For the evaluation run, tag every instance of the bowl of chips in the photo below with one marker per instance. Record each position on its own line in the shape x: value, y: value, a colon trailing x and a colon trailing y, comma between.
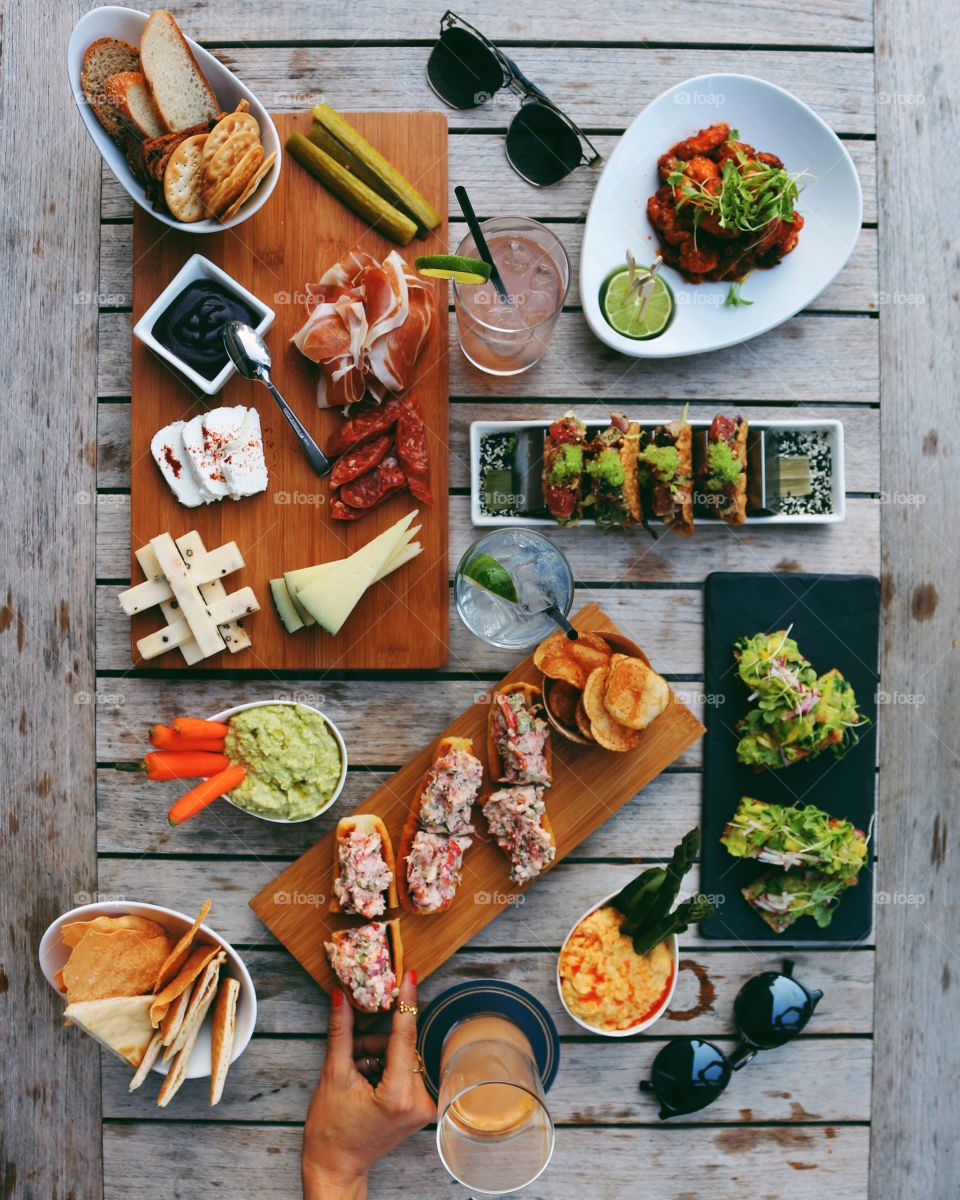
x: 160, y: 989
x: 599, y: 689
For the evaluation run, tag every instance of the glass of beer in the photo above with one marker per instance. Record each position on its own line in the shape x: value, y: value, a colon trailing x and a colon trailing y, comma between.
x: 509, y: 338
x: 494, y: 1132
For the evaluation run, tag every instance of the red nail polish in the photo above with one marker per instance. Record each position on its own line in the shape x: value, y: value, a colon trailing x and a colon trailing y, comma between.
x: 336, y: 997
x: 412, y: 976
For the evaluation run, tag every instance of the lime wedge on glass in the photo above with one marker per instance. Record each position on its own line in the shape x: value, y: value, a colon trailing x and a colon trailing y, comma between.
x: 453, y: 266
x: 625, y: 311
x: 486, y: 572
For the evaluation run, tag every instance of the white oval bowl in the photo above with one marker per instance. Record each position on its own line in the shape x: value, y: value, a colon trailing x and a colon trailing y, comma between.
x: 640, y: 1025
x: 338, y: 737
x: 770, y: 119
x: 53, y: 954
x: 127, y: 24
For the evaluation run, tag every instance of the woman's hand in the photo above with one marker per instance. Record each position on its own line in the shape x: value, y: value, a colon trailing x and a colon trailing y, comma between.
x: 370, y: 1097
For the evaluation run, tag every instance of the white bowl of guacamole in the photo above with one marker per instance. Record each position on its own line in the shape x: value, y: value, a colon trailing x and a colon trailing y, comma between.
x: 295, y: 758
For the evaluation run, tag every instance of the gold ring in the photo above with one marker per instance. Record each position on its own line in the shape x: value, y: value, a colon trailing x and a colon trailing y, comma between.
x: 404, y: 1007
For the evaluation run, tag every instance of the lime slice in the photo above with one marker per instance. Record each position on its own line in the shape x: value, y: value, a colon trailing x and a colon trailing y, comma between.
x: 453, y: 266
x: 491, y: 575
x: 625, y: 311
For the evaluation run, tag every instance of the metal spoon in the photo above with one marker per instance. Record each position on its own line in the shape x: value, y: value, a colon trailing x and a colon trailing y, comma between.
x: 249, y: 354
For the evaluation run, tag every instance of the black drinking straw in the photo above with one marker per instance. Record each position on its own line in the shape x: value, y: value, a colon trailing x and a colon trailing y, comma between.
x: 481, y: 243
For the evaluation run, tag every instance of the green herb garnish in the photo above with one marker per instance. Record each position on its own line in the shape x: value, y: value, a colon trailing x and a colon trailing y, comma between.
x: 750, y: 196
x: 733, y: 298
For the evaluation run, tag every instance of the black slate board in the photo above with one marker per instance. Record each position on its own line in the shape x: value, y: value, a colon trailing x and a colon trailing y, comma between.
x: 835, y: 621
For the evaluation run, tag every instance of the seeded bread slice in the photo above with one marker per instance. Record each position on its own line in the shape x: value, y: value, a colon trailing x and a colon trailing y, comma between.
x: 103, y: 58
x: 129, y: 96
x: 181, y: 93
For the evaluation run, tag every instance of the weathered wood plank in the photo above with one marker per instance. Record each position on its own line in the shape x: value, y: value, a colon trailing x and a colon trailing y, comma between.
x: 542, y: 921
x: 854, y: 289
x: 805, y: 1163
x: 49, y: 225
x: 841, y: 23
x: 810, y: 1080
x: 914, y: 1143
x: 496, y: 190
x: 861, y: 434
x: 621, y: 558
x: 290, y: 1002
x: 382, y: 721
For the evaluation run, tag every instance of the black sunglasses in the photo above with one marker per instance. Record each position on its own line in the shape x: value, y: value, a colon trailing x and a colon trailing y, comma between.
x: 770, y: 1009
x: 465, y: 69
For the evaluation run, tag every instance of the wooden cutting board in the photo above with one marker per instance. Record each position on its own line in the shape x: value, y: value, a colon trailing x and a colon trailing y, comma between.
x: 590, y: 785
x: 401, y: 622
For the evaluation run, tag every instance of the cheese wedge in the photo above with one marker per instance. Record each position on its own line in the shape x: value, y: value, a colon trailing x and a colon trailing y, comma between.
x: 289, y: 617
x: 296, y: 581
x: 332, y: 598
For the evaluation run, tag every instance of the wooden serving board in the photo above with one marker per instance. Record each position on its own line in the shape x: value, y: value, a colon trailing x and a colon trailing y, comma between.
x: 402, y: 622
x: 590, y: 785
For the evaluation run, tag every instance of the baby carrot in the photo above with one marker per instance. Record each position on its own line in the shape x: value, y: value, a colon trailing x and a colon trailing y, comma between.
x: 165, y: 739
x: 205, y: 793
x: 183, y: 764
x: 195, y: 727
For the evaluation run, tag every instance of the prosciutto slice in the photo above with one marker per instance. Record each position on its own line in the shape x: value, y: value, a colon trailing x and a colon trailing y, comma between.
x: 366, y: 325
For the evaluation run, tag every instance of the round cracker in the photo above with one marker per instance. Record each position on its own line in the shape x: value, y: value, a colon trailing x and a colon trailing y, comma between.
x: 222, y: 195
x: 219, y: 165
x: 182, y: 179
x: 607, y: 731
x: 232, y: 123
x: 634, y: 695
x: 251, y: 187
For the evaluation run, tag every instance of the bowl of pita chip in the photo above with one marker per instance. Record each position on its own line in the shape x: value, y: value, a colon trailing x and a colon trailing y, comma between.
x: 159, y: 989
x: 185, y: 138
x: 599, y: 689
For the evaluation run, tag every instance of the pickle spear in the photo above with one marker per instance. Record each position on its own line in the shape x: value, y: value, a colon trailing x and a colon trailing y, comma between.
x: 369, y: 165
x: 352, y: 191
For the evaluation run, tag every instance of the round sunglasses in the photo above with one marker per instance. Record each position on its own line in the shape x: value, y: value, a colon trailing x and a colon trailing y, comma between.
x: 465, y: 69
x: 688, y: 1074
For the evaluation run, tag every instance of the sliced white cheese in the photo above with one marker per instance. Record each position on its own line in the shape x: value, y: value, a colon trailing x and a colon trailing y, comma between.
x: 186, y: 593
x: 237, y: 432
x: 333, y: 597
x: 238, y: 604
x: 204, y: 461
x: 171, y: 457
x: 289, y: 617
x: 171, y: 610
x: 411, y: 550
x: 219, y: 561
x: 156, y: 588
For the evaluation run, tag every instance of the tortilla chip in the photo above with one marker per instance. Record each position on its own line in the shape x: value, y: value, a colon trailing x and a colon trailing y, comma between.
x: 178, y: 955
x: 121, y: 1023
x: 121, y: 963
x: 173, y: 1018
x: 72, y: 933
x: 146, y: 1063
x: 221, y: 1036
x: 178, y: 1068
x: 188, y: 973
x: 200, y: 1001
x: 607, y: 731
x: 58, y: 980
x: 635, y: 694
x: 572, y: 661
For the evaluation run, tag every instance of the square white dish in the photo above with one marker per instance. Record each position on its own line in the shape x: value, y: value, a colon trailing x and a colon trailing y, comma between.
x: 768, y: 118
x: 127, y: 25
x: 833, y: 430
x: 197, y: 267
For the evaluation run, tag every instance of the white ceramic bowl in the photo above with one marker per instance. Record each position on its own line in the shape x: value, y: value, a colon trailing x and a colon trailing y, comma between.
x: 640, y: 1025
x: 769, y: 119
x: 197, y: 267
x: 127, y: 24
x: 228, y: 712
x: 53, y: 954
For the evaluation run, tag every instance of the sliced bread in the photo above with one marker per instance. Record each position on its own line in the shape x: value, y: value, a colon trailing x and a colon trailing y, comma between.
x: 181, y: 93
x: 129, y: 96
x: 103, y: 58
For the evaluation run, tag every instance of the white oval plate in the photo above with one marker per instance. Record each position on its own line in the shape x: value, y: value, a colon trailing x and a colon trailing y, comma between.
x: 769, y: 119
x: 127, y: 24
x: 53, y: 954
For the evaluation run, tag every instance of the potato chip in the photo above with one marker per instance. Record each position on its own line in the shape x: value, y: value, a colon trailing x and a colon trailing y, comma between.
x: 608, y: 732
x: 635, y: 694
x: 178, y: 955
x: 119, y: 963
x: 563, y: 699
x: 72, y: 933
x: 572, y: 661
x: 583, y: 721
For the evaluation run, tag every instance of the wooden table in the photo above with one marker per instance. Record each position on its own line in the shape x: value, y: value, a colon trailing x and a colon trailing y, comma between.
x: 79, y: 822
